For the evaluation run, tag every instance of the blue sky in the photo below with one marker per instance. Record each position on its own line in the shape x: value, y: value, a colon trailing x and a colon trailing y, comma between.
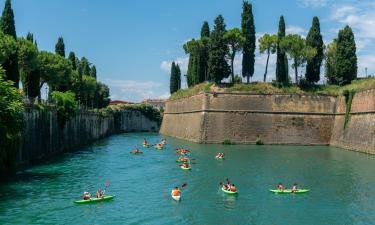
x: 132, y: 43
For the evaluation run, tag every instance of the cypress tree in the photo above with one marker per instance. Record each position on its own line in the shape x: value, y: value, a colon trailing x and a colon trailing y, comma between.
x: 8, y: 27
x: 7, y: 23
x: 60, y: 47
x: 85, y: 65
x: 218, y: 67
x: 205, y: 38
x: 30, y: 37
x: 248, y: 30
x: 346, y: 58
x: 314, y: 40
x: 173, y: 80
x: 72, y: 59
x: 178, y: 77
x: 93, y: 71
x: 205, y: 31
x: 282, y: 61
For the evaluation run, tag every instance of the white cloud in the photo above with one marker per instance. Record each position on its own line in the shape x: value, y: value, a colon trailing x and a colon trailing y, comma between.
x: 135, y: 91
x: 295, y: 30
x: 313, y: 3
x: 181, y: 61
x: 366, y: 61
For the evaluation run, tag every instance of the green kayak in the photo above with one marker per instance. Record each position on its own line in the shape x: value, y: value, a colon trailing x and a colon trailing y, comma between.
x: 289, y: 191
x: 92, y: 200
x: 189, y: 168
x: 229, y: 192
x: 220, y: 158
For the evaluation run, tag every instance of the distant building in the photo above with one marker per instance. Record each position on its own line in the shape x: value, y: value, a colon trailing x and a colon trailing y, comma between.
x: 156, y: 103
x: 119, y: 102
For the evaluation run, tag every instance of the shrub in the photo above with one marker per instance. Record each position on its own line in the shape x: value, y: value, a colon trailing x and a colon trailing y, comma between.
x: 228, y: 142
x: 66, y: 106
x: 258, y: 141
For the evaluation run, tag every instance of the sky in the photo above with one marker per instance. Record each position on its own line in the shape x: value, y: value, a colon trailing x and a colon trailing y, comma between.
x: 132, y: 43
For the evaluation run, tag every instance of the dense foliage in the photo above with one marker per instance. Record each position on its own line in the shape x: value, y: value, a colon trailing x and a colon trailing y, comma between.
x: 235, y: 41
x: 60, y: 47
x: 66, y: 106
x: 248, y: 30
x: 11, y: 124
x: 314, y: 40
x: 175, y: 80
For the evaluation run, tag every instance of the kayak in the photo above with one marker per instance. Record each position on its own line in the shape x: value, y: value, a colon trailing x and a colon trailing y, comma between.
x: 177, y: 198
x: 92, y: 200
x: 146, y: 146
x: 189, y: 168
x: 289, y: 191
x: 158, y: 148
x: 220, y: 158
x: 229, y: 192
x: 136, y: 153
x: 181, y: 161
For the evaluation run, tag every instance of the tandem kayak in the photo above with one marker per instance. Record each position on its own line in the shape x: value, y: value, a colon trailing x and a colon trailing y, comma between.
x: 220, y: 158
x: 289, y: 191
x: 229, y: 192
x: 92, y: 200
x: 176, y: 198
x: 184, y: 168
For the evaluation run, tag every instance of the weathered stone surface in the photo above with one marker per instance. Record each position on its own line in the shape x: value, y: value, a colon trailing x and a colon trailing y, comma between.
x: 276, y: 119
x: 42, y: 136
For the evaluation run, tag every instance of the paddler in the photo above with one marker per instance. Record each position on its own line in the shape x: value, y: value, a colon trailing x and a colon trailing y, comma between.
x: 233, y: 188
x: 99, y: 193
x: 86, y: 195
x: 185, y: 165
x: 280, y: 186
x: 145, y: 142
x: 176, y: 191
x: 294, y: 187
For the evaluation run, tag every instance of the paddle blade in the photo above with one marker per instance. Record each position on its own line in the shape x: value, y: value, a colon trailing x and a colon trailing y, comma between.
x: 183, y: 185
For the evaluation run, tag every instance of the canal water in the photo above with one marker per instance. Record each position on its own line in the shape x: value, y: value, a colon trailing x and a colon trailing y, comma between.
x: 342, y: 186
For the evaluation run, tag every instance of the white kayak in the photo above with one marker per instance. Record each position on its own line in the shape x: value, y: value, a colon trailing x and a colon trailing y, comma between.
x: 177, y: 198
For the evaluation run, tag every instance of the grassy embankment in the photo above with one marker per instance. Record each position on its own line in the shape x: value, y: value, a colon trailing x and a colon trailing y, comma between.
x: 268, y: 88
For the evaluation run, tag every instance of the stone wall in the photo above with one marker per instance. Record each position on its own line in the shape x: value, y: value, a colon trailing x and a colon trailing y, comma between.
x: 43, y: 137
x: 276, y: 119
x: 359, y: 133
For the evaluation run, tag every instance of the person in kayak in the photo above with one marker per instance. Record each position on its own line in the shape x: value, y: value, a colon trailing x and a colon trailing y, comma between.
x: 145, y: 142
x: 280, y: 186
x: 233, y: 188
x: 176, y: 191
x: 99, y: 193
x: 294, y: 187
x: 185, y: 165
x: 86, y: 195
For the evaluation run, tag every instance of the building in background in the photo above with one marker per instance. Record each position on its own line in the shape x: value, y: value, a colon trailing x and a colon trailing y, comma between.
x: 119, y: 102
x: 156, y: 103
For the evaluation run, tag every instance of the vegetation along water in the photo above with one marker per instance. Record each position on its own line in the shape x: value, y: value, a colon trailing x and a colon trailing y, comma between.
x: 341, y: 184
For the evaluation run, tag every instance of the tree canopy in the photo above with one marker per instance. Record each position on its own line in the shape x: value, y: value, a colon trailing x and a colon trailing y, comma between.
x: 248, y: 30
x: 314, y: 40
x: 268, y: 45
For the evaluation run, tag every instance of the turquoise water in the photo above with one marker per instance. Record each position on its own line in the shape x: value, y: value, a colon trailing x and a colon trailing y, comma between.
x: 342, y: 186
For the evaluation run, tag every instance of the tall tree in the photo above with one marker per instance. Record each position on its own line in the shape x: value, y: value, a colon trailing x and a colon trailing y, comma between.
x: 60, y: 47
x: 30, y: 37
x: 7, y: 23
x: 218, y: 68
x: 346, y: 57
x: 330, y: 63
x: 178, y: 77
x: 93, y: 71
x: 314, y: 40
x: 173, y: 80
x: 29, y: 67
x: 248, y: 30
x: 295, y: 46
x: 282, y: 75
x: 205, y: 38
x: 85, y: 64
x: 8, y: 27
x: 235, y: 40
x: 205, y: 30
x: 196, y: 70
x: 72, y: 58
x: 268, y: 45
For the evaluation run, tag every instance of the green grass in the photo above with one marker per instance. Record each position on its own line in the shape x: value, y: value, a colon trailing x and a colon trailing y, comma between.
x: 184, y: 93
x: 264, y: 88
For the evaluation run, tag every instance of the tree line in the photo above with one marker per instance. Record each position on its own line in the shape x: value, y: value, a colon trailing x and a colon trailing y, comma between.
x: 211, y: 58
x: 23, y: 61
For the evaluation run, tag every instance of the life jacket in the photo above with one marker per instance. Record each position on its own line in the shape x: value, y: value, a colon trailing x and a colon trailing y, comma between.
x: 233, y: 189
x: 176, y: 192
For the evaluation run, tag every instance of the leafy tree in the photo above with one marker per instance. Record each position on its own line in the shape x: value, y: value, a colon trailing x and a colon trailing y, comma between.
x: 72, y: 58
x: 248, y: 29
x: 29, y: 67
x: 88, y: 89
x: 314, y: 40
x: 205, y: 31
x: 218, y: 68
x: 9, y: 58
x: 66, y: 106
x: 173, y: 81
x: 11, y: 124
x: 205, y: 38
x: 267, y: 44
x: 196, y: 70
x: 30, y: 37
x: 330, y: 64
x: 85, y: 65
x: 346, y: 57
x: 60, y: 47
x: 7, y: 23
x: 93, y: 71
x: 55, y: 71
x: 101, y: 96
x: 295, y: 46
x: 282, y: 61
x: 235, y: 42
